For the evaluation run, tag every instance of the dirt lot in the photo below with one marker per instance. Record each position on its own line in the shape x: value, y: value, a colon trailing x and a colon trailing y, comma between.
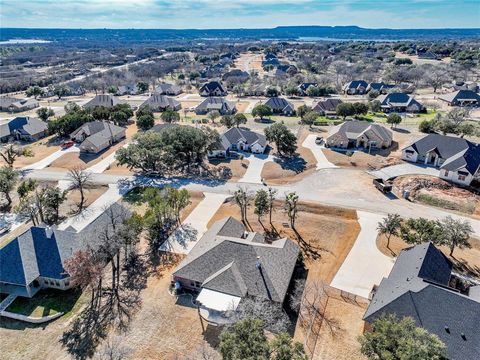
x: 436, y: 192
x: 276, y: 173
x: 237, y: 166
x: 465, y: 260
x: 40, y: 149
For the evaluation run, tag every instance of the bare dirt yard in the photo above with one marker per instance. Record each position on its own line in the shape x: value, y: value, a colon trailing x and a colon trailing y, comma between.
x: 466, y: 261
x: 291, y: 170
x: 238, y: 167
x: 40, y: 150
x: 436, y: 192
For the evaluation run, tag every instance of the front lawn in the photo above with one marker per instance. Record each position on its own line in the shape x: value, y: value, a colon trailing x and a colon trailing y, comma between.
x: 46, y: 302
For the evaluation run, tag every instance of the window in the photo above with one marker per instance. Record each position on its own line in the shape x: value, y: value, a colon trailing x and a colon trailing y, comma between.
x: 192, y: 283
x: 67, y: 283
x: 446, y: 172
x: 197, y: 284
x: 461, y: 177
x: 57, y: 283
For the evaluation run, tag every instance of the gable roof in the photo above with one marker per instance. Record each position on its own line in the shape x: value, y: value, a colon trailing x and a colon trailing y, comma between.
x: 397, y: 99
x: 24, y: 125
x: 460, y: 95
x: 445, y: 146
x: 215, y: 103
x: 379, y: 86
x: 156, y: 101
x: 98, y: 132
x: 224, y: 260
x: 355, y: 84
x: 212, y: 86
x: 105, y: 100
x: 278, y: 104
x: 168, y: 89
x: 41, y: 251
x: 234, y: 135
x: 468, y: 159
x: 354, y: 128
x: 329, y: 104
x: 418, y: 287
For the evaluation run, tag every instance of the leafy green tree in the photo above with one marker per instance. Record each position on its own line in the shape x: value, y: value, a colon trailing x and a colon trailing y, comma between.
x: 240, y: 119
x: 242, y: 199
x: 420, y: 230
x: 345, y: 109
x: 142, y: 87
x: 314, y: 91
x: 112, y: 90
x: 262, y: 111
x: 310, y: 118
x: 8, y: 180
x: 261, y: 203
x: 44, y: 113
x: 292, y: 91
x: 375, y: 106
x: 284, y: 139
x: 360, y: 108
x: 390, y: 226
x: 11, y: 152
x: 426, y: 126
x: 177, y: 200
x: 52, y: 198
x: 228, y: 121
x: 303, y: 110
x: 72, y: 120
x: 456, y: 233
x: 291, y: 207
x: 145, y: 122
x: 213, y: 115
x: 394, y: 119
x: 101, y: 113
x: 282, y: 347
x: 60, y: 91
x: 170, y: 116
x: 394, y: 339
x: 272, y: 92
x: 26, y: 187
x: 244, y: 340
x: 71, y: 107
x: 119, y: 118
x: 34, y: 91
x: 373, y: 94
x: 271, y: 198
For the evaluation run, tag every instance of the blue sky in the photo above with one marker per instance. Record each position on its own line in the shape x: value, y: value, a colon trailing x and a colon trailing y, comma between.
x: 180, y: 14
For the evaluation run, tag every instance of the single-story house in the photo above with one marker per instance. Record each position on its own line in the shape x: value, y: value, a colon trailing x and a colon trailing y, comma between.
x: 303, y: 87
x: 35, y: 259
x: 458, y: 159
x: 461, y: 98
x: 228, y: 263
x: 160, y: 103
x: 168, y: 89
x: 399, y: 102
x: 96, y: 136
x: 12, y: 104
x: 213, y: 88
x: 429, y: 55
x: 255, y: 90
x: 105, y: 100
x: 421, y: 286
x: 355, y: 87
x: 23, y: 128
x: 327, y: 106
x: 236, y: 74
x: 380, y: 87
x: 239, y: 139
x: 283, y: 70
x: 223, y: 106
x: 359, y: 134
x: 280, y: 106
x: 129, y: 89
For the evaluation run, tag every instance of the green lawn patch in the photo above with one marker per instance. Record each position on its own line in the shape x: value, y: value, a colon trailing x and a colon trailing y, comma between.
x: 465, y: 207
x: 46, y: 302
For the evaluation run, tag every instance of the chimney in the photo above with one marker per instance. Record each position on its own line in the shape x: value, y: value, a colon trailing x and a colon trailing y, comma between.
x: 48, y: 231
x: 258, y: 264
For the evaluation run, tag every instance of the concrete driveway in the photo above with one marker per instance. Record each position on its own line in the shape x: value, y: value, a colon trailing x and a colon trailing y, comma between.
x: 393, y: 171
x: 322, y: 161
x: 194, y: 226
x: 51, y: 158
x: 253, y: 174
x: 365, y: 266
x: 103, y: 164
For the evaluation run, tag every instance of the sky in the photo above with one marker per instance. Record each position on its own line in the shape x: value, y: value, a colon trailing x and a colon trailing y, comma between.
x: 215, y: 14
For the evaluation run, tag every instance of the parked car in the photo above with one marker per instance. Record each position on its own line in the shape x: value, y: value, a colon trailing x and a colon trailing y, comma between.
x: 319, y: 140
x: 68, y: 144
x: 382, y: 185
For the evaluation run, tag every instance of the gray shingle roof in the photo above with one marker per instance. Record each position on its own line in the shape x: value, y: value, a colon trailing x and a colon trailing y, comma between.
x: 460, y: 95
x: 326, y: 105
x: 234, y: 135
x: 223, y: 260
x: 397, y: 99
x: 168, y: 89
x: 24, y: 125
x: 215, y: 103
x: 212, y: 86
x: 278, y: 104
x: 98, y: 132
x: 105, y: 100
x: 41, y: 251
x: 352, y: 129
x: 417, y: 287
x: 161, y: 102
x: 355, y: 84
x: 445, y: 146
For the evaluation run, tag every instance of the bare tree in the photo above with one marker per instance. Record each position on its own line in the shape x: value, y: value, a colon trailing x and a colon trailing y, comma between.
x: 114, y: 349
x: 80, y: 180
x: 291, y: 207
x: 10, y: 153
x: 241, y: 199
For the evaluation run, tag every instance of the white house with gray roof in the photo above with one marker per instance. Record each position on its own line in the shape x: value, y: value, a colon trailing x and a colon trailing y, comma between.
x: 160, y: 103
x: 237, y: 139
x: 228, y: 263
x: 421, y: 286
x: 280, y: 106
x: 220, y: 104
x: 457, y: 158
x: 359, y: 134
x: 399, y: 102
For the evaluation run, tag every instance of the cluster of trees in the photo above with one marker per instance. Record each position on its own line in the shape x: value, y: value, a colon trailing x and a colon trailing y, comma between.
x: 233, y: 120
x: 454, y: 122
x: 448, y: 231
x: 174, y: 150
x: 351, y: 109
x: 145, y: 118
x: 285, y: 141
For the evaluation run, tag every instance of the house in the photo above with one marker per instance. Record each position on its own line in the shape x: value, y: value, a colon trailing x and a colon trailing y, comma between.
x: 219, y: 104
x: 12, y: 104
x: 129, y: 89
x: 160, y: 103
x: 236, y: 74
x: 359, y: 134
x: 427, y: 55
x: 270, y: 62
x: 23, y: 128
x: 458, y: 159
x: 35, y: 259
x: 283, y: 70
x: 303, y: 87
x: 327, y: 106
x: 228, y: 263
x: 280, y: 106
x: 255, y: 90
x: 105, y: 100
x: 213, y: 88
x: 96, y: 136
x: 421, y: 286
x: 168, y: 89
x: 355, y: 87
x: 379, y: 87
x: 399, y: 102
x: 461, y: 98
x: 239, y: 139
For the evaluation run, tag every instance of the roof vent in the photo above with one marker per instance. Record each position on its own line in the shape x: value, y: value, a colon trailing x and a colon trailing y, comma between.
x: 258, y: 264
x: 447, y: 329
x: 463, y: 336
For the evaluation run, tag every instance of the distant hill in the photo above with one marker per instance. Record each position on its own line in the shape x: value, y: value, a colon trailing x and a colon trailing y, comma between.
x: 281, y: 33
